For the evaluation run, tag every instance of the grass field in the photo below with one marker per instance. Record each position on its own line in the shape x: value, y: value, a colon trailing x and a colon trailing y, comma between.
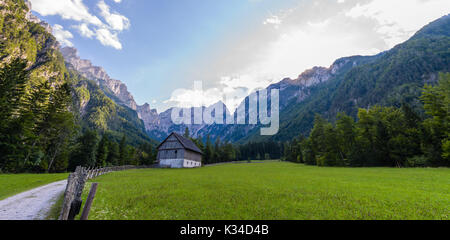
x: 12, y: 184
x: 273, y: 191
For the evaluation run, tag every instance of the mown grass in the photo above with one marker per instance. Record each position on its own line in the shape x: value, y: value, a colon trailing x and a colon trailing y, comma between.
x: 11, y: 184
x: 55, y: 210
x: 273, y: 191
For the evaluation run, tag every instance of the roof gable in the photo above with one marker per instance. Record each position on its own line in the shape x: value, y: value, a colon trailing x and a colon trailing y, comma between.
x: 187, y: 143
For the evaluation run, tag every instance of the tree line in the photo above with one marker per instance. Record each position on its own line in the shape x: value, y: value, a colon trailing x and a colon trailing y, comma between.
x: 382, y: 136
x: 223, y: 151
x: 93, y: 150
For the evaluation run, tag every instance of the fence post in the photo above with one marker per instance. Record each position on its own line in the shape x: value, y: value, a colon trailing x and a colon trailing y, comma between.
x: 77, y: 201
x: 68, y: 196
x: 89, y: 173
x: 90, y: 199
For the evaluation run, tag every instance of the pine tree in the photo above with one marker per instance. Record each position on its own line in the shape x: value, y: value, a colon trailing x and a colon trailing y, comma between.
x: 186, y: 133
x: 208, y: 152
x: 85, y: 153
x: 102, y: 151
x: 123, y: 151
x: 13, y: 78
x: 346, y: 133
x: 113, y: 154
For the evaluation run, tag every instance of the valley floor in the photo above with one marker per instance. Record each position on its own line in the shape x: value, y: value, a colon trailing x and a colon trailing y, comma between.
x: 273, y: 191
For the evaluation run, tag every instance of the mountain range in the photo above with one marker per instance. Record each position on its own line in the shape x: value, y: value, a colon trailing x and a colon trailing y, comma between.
x: 392, y: 77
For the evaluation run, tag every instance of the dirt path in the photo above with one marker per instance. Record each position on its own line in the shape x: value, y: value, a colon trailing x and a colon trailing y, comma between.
x: 32, y: 205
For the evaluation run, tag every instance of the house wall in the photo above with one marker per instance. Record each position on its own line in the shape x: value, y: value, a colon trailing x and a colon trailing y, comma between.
x: 180, y: 163
x: 171, y: 149
x: 171, y: 154
x: 190, y: 155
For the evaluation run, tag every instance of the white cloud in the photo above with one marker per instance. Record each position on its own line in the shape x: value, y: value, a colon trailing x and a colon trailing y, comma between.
x: 88, y: 24
x: 67, y: 9
x: 62, y: 35
x: 84, y: 30
x: 400, y: 19
x: 115, y: 21
x: 185, y: 98
x: 108, y: 38
x: 273, y: 20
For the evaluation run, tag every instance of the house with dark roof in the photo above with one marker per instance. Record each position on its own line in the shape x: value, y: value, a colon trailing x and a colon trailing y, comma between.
x: 179, y: 152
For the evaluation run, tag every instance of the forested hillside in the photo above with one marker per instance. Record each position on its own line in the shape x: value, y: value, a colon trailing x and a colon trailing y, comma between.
x: 51, y: 118
x: 95, y: 110
x: 382, y: 136
x: 390, y: 79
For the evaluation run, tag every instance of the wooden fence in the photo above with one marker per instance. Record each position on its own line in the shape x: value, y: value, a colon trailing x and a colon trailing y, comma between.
x: 75, y: 185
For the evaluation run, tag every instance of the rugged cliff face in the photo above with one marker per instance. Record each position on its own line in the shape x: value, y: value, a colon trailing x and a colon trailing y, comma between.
x: 148, y: 115
x: 98, y: 74
x: 114, y: 89
x: 24, y: 36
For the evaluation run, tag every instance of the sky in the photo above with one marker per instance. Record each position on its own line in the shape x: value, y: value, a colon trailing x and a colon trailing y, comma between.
x: 160, y: 48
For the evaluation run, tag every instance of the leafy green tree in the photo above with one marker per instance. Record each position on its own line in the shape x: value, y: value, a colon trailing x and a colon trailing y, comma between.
x: 293, y: 151
x: 318, y: 137
x: 57, y: 129
x: 123, y: 151
x: 13, y: 78
x: 286, y: 151
x: 308, y: 152
x: 113, y: 154
x: 228, y: 152
x: 85, y: 152
x: 102, y: 151
x: 208, y: 151
x: 346, y: 134
x: 217, y: 154
x: 146, y: 154
x: 437, y: 103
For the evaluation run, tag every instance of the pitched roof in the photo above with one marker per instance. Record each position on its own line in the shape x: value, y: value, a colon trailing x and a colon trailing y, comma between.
x: 187, y: 143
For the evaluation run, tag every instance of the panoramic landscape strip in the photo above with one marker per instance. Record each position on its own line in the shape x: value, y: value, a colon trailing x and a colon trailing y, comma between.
x: 257, y: 110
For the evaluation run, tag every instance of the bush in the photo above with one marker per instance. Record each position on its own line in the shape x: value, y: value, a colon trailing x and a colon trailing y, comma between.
x: 417, y: 161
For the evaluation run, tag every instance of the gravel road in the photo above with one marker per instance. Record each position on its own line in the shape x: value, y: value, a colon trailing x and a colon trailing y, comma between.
x: 32, y: 205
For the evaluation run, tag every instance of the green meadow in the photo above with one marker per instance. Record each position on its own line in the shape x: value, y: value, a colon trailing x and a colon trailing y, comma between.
x: 12, y: 184
x: 274, y: 190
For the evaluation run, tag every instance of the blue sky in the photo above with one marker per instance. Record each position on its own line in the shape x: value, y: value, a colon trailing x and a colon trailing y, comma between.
x: 158, y: 46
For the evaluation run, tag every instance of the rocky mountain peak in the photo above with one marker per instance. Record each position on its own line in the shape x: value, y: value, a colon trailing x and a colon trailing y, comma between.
x: 314, y: 76
x: 98, y: 74
x: 32, y: 18
x: 110, y: 86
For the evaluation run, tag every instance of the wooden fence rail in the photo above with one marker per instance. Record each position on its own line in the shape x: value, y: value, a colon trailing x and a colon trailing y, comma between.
x: 75, y: 185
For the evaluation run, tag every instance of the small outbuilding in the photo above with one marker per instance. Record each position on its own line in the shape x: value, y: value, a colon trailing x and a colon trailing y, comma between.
x: 179, y: 152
